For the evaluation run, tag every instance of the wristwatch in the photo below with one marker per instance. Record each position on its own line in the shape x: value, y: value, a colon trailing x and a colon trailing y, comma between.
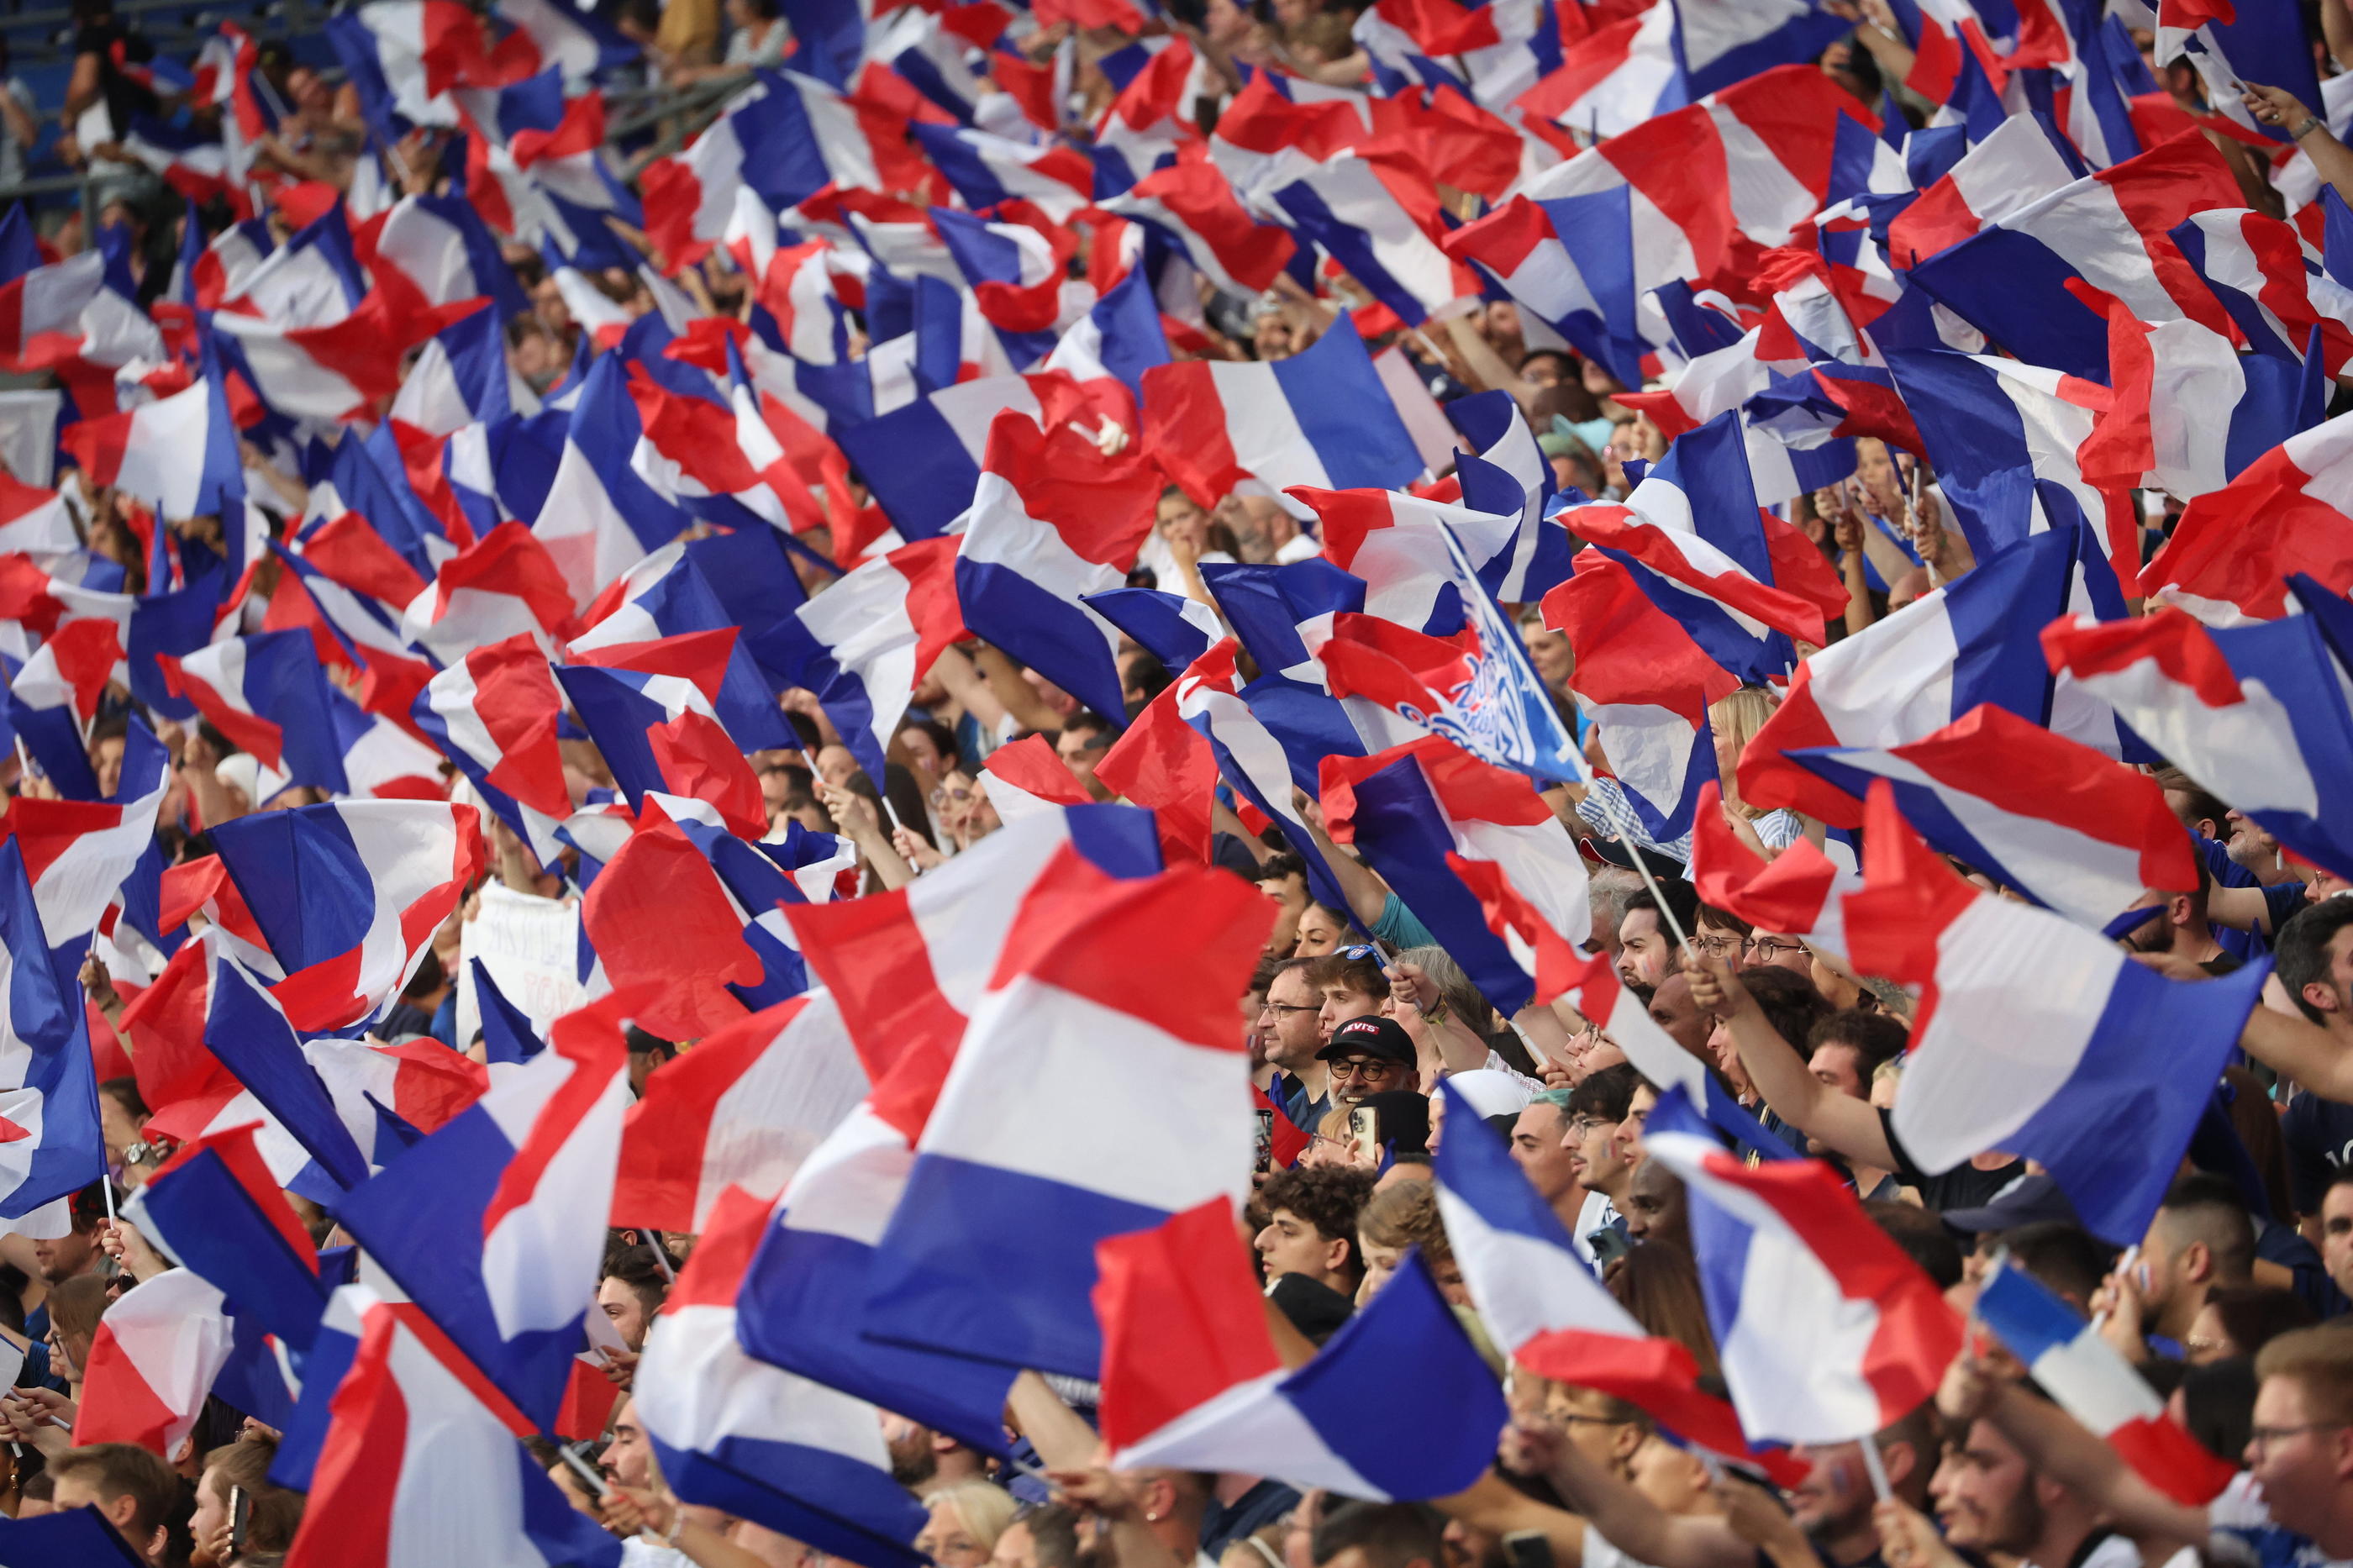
x: 2310, y: 123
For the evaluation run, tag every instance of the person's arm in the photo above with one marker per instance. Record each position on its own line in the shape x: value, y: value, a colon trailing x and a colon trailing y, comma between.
x: 1114, y: 1499
x: 1878, y: 34
x: 1626, y: 1518
x: 82, y: 86
x: 2301, y: 1050
x: 1842, y: 1123
x: 1445, y: 1042
x: 2331, y: 159
x: 628, y: 1513
x: 1060, y: 1433
x: 1223, y: 820
x: 1366, y: 894
x: 1542, y: 1030
x: 1483, y: 367
x: 2241, y: 909
x: 965, y: 684
x: 1020, y: 697
x: 856, y: 816
x: 2337, y: 27
x: 23, y: 128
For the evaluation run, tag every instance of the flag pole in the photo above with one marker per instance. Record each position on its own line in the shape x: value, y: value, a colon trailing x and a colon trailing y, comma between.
x: 1877, y: 1471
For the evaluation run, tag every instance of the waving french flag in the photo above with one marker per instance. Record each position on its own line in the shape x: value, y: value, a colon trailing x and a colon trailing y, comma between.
x: 2070, y: 1363
x: 820, y: 1251
x: 493, y: 712
x: 2256, y: 713
x: 1320, y: 418
x: 756, y: 1440
x: 1692, y: 537
x: 427, y: 1454
x: 1410, y: 808
x: 1647, y: 686
x: 1053, y: 519
x: 659, y: 733
x: 49, y: 1143
x: 2018, y: 280
x: 601, y: 517
x: 2086, y: 838
x: 923, y: 459
x: 506, y: 581
x: 349, y: 895
x: 1907, y: 677
x: 1994, y: 972
x: 1542, y: 1305
x: 267, y: 693
x: 2276, y: 294
x: 1785, y: 1250
x: 215, y: 1210
x: 177, y: 454
x: 1376, y: 213
x: 156, y: 1352
x: 786, y: 138
x: 743, y: 1109
x: 1029, y: 1308
x: 495, y: 1225
x: 873, y: 635
x: 1192, y: 1379
x: 2230, y: 556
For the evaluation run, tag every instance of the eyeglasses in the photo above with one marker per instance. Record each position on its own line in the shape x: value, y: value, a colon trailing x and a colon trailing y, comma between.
x: 942, y: 795
x: 1347, y: 1069
x: 1718, y: 946
x: 1759, y: 944
x: 1280, y: 1007
x: 1584, y: 1126
x: 2263, y: 1436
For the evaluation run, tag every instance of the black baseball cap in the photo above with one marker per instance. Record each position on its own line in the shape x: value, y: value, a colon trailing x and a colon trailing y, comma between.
x: 1383, y: 1039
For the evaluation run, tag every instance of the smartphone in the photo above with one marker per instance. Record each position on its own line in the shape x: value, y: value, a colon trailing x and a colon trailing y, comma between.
x: 1609, y: 1244
x: 240, y: 1514
x: 1365, y: 1134
x: 1528, y: 1549
x: 1265, y: 1136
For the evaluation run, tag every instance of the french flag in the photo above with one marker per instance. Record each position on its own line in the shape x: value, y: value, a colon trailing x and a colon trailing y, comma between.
x: 1799, y: 890
x: 1785, y: 1251
x: 348, y: 895
x: 441, y: 245
x: 2277, y: 295
x: 1541, y: 1303
x: 268, y: 694
x: 743, y: 1109
x: 755, y: 1440
x: 49, y: 1142
x: 1396, y: 545
x: 1025, y: 778
x: 1910, y: 675
x: 1994, y: 972
x: 1411, y: 808
x: 659, y: 734
x: 1509, y: 477
x: 1717, y: 47
x: 2017, y: 280
x: 1320, y: 418
x: 1053, y: 519
x: 2070, y: 1362
x: 922, y: 462
x: 2006, y: 441
x: 215, y: 1210
x: 53, y: 697
x: 601, y: 517
x: 495, y: 1225
x: 156, y: 1352
x: 1692, y: 536
x: 1641, y: 679
x: 77, y: 854
x: 986, y: 170
x: 1396, y: 1405
x: 2255, y: 713
x: 1377, y: 214
x: 1613, y: 78
x: 873, y: 636
x: 908, y: 1024
x: 786, y: 138
x: 2230, y: 554
x: 461, y: 377
x: 2191, y: 413
x: 506, y: 583
x: 422, y: 1462
x: 720, y: 679
x: 663, y: 613
x: 494, y: 714
x: 2086, y: 838
x: 1055, y: 1022
x: 177, y: 454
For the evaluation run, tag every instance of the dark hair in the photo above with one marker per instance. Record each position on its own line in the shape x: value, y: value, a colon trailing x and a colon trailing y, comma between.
x: 2210, y: 1205
x: 427, y: 978
x: 1389, y: 1534
x: 2202, y: 804
x: 1723, y: 920
x: 2254, y: 1315
x: 1877, y: 1038
x: 1787, y: 998
x: 124, y: 1092
x: 1326, y: 1196
x: 116, y: 1470
x: 632, y: 1263
x: 1606, y: 1093
x: 1275, y: 867
x: 2064, y: 1258
x: 1055, y: 1528
x: 2218, y: 1405
x: 1659, y: 1288
x: 1682, y: 902
x: 2300, y: 948
x: 640, y: 1043
x: 1923, y: 1237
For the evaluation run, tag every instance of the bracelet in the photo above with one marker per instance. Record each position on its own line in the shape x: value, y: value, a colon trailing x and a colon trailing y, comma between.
x: 2311, y: 123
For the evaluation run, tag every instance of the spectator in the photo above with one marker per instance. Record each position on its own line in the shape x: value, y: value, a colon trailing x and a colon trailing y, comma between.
x: 1396, y: 1219
x: 1311, y: 1225
x: 966, y: 1519
x: 1541, y: 1146
x: 133, y: 1488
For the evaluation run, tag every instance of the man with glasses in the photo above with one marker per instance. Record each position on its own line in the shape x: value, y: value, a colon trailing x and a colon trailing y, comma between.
x: 1595, y: 1107
x: 1290, y: 1025
x: 1368, y: 1056
x: 1779, y: 950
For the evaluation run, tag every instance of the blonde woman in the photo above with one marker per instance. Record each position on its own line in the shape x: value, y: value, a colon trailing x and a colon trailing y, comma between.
x: 966, y: 1519
x: 1735, y: 720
